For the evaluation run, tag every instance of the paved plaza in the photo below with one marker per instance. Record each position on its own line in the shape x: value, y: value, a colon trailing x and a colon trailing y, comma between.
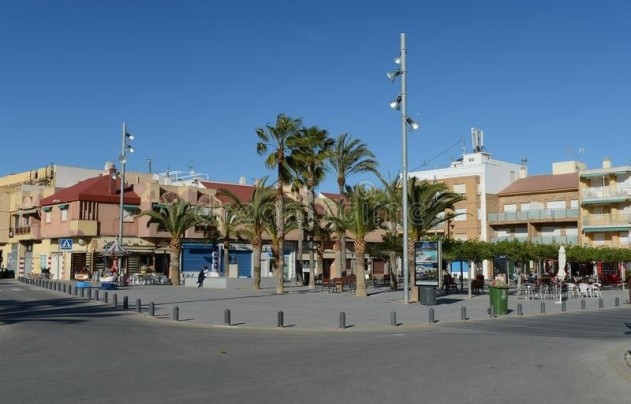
x: 303, y: 308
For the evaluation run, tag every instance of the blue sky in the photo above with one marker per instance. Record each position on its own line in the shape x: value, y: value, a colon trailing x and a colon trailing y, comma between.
x: 545, y: 80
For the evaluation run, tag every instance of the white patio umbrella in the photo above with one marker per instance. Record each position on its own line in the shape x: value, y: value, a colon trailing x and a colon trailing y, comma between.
x: 561, y: 274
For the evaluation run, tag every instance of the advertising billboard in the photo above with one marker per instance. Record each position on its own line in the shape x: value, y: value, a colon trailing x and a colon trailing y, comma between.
x: 427, y: 262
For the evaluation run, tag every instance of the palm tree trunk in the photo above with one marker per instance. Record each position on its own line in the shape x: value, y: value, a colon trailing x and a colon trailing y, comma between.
x: 301, y: 235
x: 393, y: 270
x: 280, y: 258
x: 256, y: 284
x: 412, y: 272
x: 226, y: 257
x: 335, y: 271
x: 174, y: 267
x: 360, y: 273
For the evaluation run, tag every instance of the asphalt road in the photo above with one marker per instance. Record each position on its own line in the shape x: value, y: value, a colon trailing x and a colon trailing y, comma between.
x: 59, y: 349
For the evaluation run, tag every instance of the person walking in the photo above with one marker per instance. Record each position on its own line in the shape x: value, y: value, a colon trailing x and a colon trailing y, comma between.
x: 203, y: 273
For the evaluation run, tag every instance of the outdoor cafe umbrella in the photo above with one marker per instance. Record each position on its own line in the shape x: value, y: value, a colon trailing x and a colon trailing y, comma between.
x: 561, y: 273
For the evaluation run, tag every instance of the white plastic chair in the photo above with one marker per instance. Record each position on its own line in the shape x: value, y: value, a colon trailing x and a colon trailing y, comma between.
x: 584, y: 290
x: 596, y: 290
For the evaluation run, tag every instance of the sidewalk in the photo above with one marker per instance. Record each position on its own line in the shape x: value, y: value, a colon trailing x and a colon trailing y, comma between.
x: 305, y: 308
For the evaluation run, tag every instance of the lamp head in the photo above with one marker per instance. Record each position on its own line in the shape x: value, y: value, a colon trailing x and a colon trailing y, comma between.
x: 413, y: 124
x: 129, y: 136
x: 394, y: 74
x: 396, y: 103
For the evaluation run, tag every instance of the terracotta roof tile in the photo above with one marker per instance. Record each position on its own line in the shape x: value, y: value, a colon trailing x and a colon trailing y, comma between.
x: 542, y: 183
x: 243, y: 192
x: 96, y: 189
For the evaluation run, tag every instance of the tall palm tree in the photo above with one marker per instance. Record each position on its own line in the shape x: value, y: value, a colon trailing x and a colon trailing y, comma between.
x: 278, y: 139
x: 349, y: 156
x: 312, y: 149
x: 175, y: 218
x: 272, y: 229
x: 361, y: 218
x: 390, y: 199
x: 429, y: 204
x: 252, y: 219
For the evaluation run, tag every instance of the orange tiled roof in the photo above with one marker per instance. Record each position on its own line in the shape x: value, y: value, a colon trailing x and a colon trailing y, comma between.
x: 97, y: 189
x: 243, y: 192
x: 542, y: 183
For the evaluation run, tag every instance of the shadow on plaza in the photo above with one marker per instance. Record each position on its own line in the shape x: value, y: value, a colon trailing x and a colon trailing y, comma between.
x: 63, y: 310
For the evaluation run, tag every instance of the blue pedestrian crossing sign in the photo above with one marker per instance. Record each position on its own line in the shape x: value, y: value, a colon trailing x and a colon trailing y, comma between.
x: 65, y: 244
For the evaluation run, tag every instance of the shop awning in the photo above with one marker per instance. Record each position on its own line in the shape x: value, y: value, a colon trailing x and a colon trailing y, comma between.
x: 606, y: 201
x: 604, y: 229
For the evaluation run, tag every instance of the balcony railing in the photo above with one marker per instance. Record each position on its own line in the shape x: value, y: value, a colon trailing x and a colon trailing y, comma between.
x: 607, y: 219
x: 534, y: 214
x: 606, y: 192
x: 567, y: 240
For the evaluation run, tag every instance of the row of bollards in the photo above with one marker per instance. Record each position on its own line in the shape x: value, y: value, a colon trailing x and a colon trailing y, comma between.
x: 86, y: 292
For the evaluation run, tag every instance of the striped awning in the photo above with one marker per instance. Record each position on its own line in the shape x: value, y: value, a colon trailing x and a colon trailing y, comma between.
x: 602, y: 229
x: 606, y: 201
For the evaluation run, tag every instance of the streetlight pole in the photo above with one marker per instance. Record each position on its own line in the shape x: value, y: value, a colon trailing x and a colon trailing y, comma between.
x: 401, y: 102
x: 122, y: 158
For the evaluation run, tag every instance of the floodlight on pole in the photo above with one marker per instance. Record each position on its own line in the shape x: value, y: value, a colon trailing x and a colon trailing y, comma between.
x: 122, y: 158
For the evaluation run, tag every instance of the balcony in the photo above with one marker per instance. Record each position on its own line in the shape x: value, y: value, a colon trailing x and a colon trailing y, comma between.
x: 542, y: 215
x: 607, y: 219
x: 27, y: 232
x: 605, y: 195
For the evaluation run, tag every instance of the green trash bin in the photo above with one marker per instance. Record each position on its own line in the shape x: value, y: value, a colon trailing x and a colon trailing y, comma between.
x: 498, y: 293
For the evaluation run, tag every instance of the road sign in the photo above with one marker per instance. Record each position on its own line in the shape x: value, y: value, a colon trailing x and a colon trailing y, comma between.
x: 65, y: 244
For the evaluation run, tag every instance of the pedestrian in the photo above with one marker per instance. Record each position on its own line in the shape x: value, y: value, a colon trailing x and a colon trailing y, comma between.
x: 203, y: 273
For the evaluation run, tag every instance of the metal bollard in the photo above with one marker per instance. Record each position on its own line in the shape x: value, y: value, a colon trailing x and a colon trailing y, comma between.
x: 520, y: 309
x: 563, y: 306
x: 617, y: 302
x: 64, y: 290
x: 105, y: 296
x: 463, y: 313
x: 226, y: 317
x: 342, y: 319
x: 76, y: 291
x: 125, y: 302
x: 69, y: 289
x: 82, y: 292
x: 543, y: 308
x: 114, y: 299
x: 279, y: 320
x: 152, y: 309
x: 492, y: 311
x: 431, y: 316
x: 393, y: 318
x: 176, y: 313
x: 601, y: 303
x: 96, y: 295
x: 89, y: 293
x: 138, y: 306
x: 582, y: 304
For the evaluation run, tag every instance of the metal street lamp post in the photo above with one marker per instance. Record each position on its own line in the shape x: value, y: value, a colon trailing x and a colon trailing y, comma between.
x: 400, y: 103
x: 122, y: 158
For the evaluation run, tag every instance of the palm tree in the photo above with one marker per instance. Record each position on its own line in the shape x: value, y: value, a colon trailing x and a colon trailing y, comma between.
x: 321, y: 236
x: 272, y: 229
x: 279, y: 139
x: 349, y: 156
x: 252, y: 219
x: 229, y: 231
x: 362, y: 217
x: 175, y: 218
x: 429, y: 204
x: 312, y: 149
x: 390, y: 198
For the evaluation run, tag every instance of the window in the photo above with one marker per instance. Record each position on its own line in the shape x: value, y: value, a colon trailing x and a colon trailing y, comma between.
x: 555, y: 205
x: 524, y: 207
x: 48, y: 217
x: 461, y: 215
x: 510, y: 208
x: 460, y: 189
x: 574, y: 204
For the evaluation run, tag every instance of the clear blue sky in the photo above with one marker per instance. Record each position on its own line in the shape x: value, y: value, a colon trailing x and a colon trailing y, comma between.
x: 546, y: 80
